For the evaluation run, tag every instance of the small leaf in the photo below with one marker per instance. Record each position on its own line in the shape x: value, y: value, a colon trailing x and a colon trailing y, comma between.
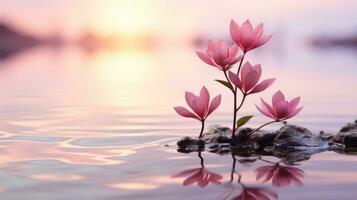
x: 243, y: 120
x: 225, y: 83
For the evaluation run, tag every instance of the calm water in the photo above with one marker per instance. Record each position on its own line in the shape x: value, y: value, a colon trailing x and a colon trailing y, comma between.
x: 94, y: 126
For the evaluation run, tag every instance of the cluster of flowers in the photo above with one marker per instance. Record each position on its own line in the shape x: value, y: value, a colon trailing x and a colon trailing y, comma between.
x: 245, y: 81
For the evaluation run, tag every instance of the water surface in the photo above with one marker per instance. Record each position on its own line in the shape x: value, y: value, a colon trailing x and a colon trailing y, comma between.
x: 101, y: 126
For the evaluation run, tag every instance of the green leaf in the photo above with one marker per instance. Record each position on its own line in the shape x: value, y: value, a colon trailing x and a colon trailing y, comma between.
x: 243, y: 120
x: 225, y: 83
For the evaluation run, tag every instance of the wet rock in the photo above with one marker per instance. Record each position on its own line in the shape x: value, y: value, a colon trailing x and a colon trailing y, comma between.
x: 349, y: 127
x: 190, y: 144
x: 217, y: 134
x: 350, y: 140
x: 223, y: 139
x: 347, y: 135
x: 241, y: 136
x: 325, y: 136
x: 296, y: 137
x: 263, y: 139
x: 221, y: 149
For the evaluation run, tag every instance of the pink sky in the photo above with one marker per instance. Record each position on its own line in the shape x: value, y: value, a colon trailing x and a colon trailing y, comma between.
x: 149, y: 16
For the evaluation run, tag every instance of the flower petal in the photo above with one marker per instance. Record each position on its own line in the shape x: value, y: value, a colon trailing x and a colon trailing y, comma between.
x: 235, y: 79
x: 190, y: 97
x: 293, y: 104
x: 295, y: 112
x: 258, y: 69
x: 277, y: 97
x: 258, y: 30
x: 262, y: 40
x: 246, y: 68
x: 264, y: 112
x: 246, y: 35
x: 267, y: 107
x: 262, y: 85
x: 234, y: 31
x: 281, y: 109
x: 233, y: 51
x: 204, y: 94
x: 251, y: 79
x: 212, y: 45
x: 234, y: 61
x: 205, y: 58
x: 216, y: 101
x: 192, y: 179
x: 185, y: 113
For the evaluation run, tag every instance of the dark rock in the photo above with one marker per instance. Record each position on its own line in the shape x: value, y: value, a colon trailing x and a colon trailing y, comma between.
x: 241, y: 135
x: 263, y: 139
x: 325, y: 136
x: 190, y: 144
x: 347, y: 151
x: 223, y: 139
x: 349, y: 127
x: 220, y: 148
x: 217, y: 134
x: 293, y: 137
x: 350, y: 140
x: 347, y: 135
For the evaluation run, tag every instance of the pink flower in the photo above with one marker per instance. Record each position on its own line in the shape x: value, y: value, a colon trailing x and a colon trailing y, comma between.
x: 249, y: 77
x: 281, y: 109
x: 256, y: 193
x: 246, y: 37
x: 280, y: 175
x: 219, y: 55
x: 200, y: 105
x: 201, y: 176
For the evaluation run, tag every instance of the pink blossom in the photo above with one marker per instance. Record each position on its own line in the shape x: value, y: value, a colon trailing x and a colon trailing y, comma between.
x: 201, y: 176
x: 256, y: 193
x: 281, y: 109
x: 249, y: 77
x: 200, y: 105
x: 246, y: 37
x: 280, y: 175
x: 219, y: 55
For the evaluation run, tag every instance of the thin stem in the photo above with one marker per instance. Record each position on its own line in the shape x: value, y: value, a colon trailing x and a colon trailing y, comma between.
x: 233, y: 168
x: 240, y: 64
x: 234, y: 113
x: 241, y: 103
x: 225, y: 74
x: 257, y: 129
x: 202, y: 128
x: 235, y: 100
x: 239, y: 180
x: 201, y: 158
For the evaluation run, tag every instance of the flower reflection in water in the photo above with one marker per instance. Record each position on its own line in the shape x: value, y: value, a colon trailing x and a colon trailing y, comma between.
x: 280, y: 176
x: 200, y: 175
x: 244, y: 192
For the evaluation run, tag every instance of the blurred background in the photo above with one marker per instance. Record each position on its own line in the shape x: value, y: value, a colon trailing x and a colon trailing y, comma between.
x: 63, y: 58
